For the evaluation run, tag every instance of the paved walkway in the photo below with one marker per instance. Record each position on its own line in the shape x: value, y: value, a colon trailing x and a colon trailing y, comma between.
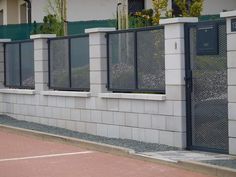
x: 175, y: 156
x: 25, y: 156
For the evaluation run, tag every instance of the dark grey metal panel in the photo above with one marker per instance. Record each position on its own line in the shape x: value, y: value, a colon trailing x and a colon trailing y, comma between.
x: 233, y: 25
x: 209, y: 105
x: 136, y: 61
x: 207, y: 39
x: 151, y: 60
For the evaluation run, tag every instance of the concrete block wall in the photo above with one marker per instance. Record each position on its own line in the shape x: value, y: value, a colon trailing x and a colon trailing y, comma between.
x: 152, y: 118
x: 231, y: 60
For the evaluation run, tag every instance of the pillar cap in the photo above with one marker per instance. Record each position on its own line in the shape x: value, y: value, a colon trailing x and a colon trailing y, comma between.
x: 42, y: 36
x: 228, y: 14
x: 170, y: 21
x: 99, y: 30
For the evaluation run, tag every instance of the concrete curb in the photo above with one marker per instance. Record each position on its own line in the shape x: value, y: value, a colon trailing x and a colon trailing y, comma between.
x: 187, y: 165
x: 208, y: 169
x: 82, y: 143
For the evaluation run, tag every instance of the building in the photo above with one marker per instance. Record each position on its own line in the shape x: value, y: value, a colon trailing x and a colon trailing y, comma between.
x: 19, y: 11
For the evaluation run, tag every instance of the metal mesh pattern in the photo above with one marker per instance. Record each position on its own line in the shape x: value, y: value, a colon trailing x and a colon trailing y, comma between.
x: 209, y: 95
x: 121, y: 61
x: 12, y: 63
x: 80, y: 63
x: 59, y: 63
x: 27, y: 64
x: 151, y: 60
x: 69, y: 63
x: 19, y: 64
x: 136, y: 61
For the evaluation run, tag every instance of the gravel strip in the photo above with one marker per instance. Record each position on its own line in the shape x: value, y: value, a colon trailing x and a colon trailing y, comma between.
x: 137, y: 146
x: 229, y: 163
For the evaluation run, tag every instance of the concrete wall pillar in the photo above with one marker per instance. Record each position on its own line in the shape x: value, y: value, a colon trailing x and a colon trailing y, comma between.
x: 175, y: 71
x: 231, y: 60
x: 41, y: 60
x: 98, y: 59
x: 2, y: 41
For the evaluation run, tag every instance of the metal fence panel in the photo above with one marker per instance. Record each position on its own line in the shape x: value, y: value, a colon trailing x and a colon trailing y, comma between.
x: 27, y: 64
x: 121, y: 61
x: 80, y: 63
x: 59, y: 63
x: 209, y: 104
x: 12, y: 64
x: 19, y: 64
x: 151, y: 60
x: 136, y: 60
x: 69, y: 63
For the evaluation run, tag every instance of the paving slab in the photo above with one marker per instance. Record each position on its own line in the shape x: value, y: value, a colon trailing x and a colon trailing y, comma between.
x: 176, y: 156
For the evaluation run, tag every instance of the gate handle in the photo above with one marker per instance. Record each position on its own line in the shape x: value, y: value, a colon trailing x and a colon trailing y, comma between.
x: 188, y: 80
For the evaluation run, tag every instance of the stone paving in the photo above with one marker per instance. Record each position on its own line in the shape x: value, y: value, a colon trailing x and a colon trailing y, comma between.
x: 176, y: 156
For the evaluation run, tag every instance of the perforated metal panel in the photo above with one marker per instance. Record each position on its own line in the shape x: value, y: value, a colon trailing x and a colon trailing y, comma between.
x: 19, y: 64
x: 136, y: 61
x: 151, y: 60
x: 208, y: 109
x: 69, y: 63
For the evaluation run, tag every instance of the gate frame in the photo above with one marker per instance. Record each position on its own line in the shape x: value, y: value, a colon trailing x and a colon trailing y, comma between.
x: 189, y: 87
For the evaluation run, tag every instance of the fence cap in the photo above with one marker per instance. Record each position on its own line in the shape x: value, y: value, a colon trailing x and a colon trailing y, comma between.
x: 99, y: 30
x: 228, y: 14
x: 5, y: 40
x: 170, y: 21
x: 42, y: 36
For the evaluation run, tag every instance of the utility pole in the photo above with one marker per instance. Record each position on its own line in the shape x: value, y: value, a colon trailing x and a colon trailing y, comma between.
x: 65, y: 22
x: 123, y: 19
x: 63, y: 14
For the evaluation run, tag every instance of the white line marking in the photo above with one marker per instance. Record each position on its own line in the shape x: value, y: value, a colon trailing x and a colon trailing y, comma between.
x: 46, y: 156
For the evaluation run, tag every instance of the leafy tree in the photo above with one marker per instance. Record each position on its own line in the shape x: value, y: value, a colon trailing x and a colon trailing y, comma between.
x: 55, y: 22
x: 51, y: 26
x: 160, y: 7
x: 150, y: 17
x: 190, y: 9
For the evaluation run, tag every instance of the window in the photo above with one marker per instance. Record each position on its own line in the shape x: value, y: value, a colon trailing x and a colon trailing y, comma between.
x: 19, y: 64
x: 1, y: 17
x: 23, y: 13
x: 135, y: 5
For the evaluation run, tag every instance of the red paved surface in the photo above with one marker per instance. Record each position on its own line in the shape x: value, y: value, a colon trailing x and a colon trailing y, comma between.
x: 94, y: 164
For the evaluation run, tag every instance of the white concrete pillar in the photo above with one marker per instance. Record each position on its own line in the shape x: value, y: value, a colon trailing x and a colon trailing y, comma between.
x: 175, y: 71
x: 98, y: 59
x: 2, y: 41
x: 231, y: 60
x: 41, y: 60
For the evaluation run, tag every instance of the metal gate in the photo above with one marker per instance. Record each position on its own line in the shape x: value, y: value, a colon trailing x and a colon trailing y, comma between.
x: 206, y: 86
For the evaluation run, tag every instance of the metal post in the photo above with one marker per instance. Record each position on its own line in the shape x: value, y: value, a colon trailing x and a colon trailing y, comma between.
x: 117, y: 15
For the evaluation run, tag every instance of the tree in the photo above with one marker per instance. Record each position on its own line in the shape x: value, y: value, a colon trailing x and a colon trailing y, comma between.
x: 159, y: 7
x: 190, y: 8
